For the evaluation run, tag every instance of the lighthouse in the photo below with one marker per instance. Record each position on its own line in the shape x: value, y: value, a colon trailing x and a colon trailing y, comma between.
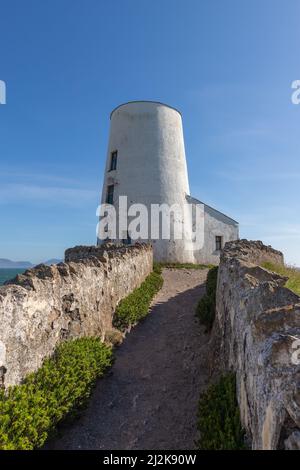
x: 146, y: 163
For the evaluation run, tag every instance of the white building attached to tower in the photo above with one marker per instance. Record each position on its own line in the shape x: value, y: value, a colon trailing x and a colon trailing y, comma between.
x: 146, y: 165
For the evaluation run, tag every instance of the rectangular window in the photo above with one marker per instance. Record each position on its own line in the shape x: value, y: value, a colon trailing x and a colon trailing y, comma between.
x: 218, y: 243
x: 127, y: 241
x: 110, y: 194
x: 113, y: 160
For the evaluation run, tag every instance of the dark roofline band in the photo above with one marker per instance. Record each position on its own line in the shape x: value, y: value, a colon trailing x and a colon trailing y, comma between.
x: 145, y: 101
x: 216, y: 210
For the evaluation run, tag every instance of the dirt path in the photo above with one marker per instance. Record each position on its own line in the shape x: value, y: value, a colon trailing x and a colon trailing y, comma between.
x: 149, y: 399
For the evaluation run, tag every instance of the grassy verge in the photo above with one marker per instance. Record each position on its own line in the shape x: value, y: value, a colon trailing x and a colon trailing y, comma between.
x: 136, y: 305
x: 206, y: 308
x: 219, y: 417
x: 293, y: 275
x: 185, y: 266
x: 29, y: 412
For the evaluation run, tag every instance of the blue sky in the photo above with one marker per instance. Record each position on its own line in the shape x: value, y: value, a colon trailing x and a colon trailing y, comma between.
x: 227, y: 65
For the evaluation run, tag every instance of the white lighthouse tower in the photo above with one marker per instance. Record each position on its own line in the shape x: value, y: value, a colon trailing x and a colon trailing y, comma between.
x: 146, y: 163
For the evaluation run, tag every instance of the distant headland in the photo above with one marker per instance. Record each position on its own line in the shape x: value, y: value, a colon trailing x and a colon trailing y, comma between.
x: 9, y: 264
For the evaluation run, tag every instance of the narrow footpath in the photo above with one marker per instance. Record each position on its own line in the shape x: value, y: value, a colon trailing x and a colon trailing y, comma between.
x: 149, y: 398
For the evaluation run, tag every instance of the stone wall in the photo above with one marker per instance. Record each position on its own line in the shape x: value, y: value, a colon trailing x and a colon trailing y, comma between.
x: 108, y: 249
x: 255, y: 334
x: 49, y: 304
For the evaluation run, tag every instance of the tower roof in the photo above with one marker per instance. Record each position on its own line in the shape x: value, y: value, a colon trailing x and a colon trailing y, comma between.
x: 144, y: 101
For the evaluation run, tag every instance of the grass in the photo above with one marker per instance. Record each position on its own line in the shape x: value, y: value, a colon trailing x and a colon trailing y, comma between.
x: 136, y: 305
x: 293, y: 275
x: 30, y: 412
x: 186, y: 266
x: 219, y: 417
x: 206, y: 308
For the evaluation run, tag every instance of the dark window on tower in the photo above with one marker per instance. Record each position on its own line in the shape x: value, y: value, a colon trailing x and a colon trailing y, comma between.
x: 127, y: 241
x: 110, y: 194
x: 113, y: 160
x: 218, y: 243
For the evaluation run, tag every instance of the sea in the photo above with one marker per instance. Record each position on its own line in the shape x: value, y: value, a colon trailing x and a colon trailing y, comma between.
x: 6, y: 274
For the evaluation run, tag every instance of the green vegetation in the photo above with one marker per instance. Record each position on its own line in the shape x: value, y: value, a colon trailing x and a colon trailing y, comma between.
x: 29, y: 412
x: 136, y: 305
x: 186, y: 266
x: 293, y: 275
x: 219, y: 417
x: 206, y: 308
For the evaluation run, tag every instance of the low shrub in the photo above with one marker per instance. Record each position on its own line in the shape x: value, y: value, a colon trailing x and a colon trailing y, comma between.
x: 219, y: 417
x: 206, y: 308
x: 157, y: 268
x: 30, y: 411
x: 136, y: 305
x: 293, y: 275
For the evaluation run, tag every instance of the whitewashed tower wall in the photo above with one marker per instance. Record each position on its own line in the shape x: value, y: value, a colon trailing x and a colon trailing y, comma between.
x: 151, y: 164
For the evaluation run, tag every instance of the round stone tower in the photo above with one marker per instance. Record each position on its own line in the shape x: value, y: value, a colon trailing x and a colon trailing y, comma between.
x: 146, y: 162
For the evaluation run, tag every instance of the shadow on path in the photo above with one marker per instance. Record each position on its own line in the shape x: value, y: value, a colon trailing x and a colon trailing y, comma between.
x: 149, y: 398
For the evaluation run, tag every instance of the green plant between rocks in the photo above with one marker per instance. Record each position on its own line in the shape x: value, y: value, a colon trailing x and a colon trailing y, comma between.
x: 136, y: 305
x: 30, y: 412
x: 219, y: 417
x: 293, y: 275
x: 206, y: 308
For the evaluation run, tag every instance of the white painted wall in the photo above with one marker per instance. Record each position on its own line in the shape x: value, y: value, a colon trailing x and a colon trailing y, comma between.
x: 152, y: 169
x: 151, y: 165
x: 215, y: 224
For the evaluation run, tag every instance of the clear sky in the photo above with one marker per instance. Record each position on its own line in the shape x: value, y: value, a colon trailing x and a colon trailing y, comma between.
x: 227, y: 65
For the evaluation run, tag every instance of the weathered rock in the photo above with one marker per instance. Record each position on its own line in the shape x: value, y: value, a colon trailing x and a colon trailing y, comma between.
x: 255, y: 251
x: 49, y: 304
x: 293, y: 442
x: 101, y: 252
x: 255, y: 334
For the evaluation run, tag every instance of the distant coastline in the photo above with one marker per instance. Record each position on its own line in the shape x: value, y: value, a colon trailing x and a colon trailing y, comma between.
x: 9, y: 264
x: 9, y: 269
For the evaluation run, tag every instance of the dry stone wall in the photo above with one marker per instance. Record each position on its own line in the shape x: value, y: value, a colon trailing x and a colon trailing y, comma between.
x: 49, y: 304
x: 257, y: 334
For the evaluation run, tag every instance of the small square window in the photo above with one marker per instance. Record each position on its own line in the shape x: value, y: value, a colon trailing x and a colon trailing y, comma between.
x: 218, y: 243
x: 113, y: 160
x: 110, y: 194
